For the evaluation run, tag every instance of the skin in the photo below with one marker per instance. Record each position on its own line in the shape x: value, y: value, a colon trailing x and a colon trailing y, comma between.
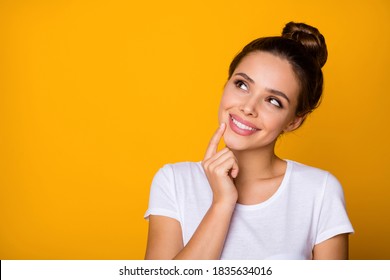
x: 262, y: 92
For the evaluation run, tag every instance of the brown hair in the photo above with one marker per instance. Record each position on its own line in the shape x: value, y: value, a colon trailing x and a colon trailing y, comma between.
x: 305, y: 49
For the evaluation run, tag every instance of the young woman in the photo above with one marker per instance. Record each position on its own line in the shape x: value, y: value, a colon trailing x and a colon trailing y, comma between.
x: 243, y: 202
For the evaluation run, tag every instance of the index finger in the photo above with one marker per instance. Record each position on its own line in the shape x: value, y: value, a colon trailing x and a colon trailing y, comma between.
x: 213, y: 145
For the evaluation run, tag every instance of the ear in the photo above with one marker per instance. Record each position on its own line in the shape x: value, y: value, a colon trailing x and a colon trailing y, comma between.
x: 295, y: 123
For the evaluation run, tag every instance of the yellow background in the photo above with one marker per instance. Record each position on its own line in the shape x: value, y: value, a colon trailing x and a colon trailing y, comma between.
x: 95, y: 96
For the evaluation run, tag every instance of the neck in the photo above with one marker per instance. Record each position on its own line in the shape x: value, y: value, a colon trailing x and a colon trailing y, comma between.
x: 257, y: 164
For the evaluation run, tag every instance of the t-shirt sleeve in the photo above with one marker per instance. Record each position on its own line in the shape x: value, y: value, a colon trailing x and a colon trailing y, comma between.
x: 162, y: 199
x: 333, y: 218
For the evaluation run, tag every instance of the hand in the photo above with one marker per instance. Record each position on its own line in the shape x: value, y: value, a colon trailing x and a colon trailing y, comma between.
x: 221, y: 168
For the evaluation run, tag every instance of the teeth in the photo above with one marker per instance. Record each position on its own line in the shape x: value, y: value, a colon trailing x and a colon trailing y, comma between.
x: 242, y: 126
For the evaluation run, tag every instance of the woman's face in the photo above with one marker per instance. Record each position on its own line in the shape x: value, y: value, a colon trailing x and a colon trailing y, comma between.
x: 259, y: 102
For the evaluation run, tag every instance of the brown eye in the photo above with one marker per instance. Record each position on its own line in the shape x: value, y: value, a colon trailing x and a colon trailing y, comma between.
x: 241, y: 85
x: 275, y: 102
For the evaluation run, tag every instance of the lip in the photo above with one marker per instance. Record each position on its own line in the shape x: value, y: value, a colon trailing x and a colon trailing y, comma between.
x: 238, y: 130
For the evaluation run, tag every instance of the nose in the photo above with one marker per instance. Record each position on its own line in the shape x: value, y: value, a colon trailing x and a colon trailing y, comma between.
x: 249, y: 106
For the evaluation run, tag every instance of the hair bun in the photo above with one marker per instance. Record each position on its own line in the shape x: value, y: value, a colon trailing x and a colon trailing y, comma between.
x: 310, y: 38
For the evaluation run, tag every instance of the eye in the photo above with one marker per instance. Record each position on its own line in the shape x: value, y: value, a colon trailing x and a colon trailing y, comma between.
x: 241, y: 85
x: 275, y: 102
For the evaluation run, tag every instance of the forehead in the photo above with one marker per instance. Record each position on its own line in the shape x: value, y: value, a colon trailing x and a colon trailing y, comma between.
x: 270, y: 71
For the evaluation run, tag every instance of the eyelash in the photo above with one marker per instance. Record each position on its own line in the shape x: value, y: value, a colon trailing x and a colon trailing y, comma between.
x: 240, y: 83
x: 280, y: 106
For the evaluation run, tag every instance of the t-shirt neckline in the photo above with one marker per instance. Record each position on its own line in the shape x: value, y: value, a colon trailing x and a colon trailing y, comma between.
x: 265, y: 203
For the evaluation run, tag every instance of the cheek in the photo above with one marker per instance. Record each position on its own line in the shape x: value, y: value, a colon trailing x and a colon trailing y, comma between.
x: 225, y: 104
x: 273, y: 121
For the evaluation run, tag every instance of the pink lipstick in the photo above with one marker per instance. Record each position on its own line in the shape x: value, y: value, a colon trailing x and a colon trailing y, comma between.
x: 240, y: 126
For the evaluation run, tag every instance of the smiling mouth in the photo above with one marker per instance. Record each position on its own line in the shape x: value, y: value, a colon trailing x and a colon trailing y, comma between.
x: 242, y: 126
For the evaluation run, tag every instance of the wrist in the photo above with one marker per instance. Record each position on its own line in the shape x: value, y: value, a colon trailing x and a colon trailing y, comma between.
x: 223, y: 206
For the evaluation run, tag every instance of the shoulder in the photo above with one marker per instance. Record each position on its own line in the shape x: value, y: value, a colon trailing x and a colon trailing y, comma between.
x: 182, y: 181
x: 173, y: 179
x: 307, y: 172
x: 180, y: 171
x: 304, y: 170
x: 182, y: 168
x: 314, y: 177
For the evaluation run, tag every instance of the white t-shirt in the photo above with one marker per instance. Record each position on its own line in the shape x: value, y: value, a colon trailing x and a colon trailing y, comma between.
x: 307, y: 209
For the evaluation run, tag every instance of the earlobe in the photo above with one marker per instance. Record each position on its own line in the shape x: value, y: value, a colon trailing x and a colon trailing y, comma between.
x: 295, y: 123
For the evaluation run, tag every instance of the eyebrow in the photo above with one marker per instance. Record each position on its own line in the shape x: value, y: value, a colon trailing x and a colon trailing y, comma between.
x: 273, y: 91
x: 279, y: 93
x: 245, y: 76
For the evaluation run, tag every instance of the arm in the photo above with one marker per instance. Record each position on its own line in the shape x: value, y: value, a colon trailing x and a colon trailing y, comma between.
x: 165, y: 236
x: 335, y: 248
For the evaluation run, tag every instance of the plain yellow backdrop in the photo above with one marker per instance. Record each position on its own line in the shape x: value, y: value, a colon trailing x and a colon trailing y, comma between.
x: 95, y: 96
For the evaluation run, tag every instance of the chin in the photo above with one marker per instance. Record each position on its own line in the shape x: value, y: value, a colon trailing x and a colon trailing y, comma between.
x: 241, y: 143
x: 235, y: 144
